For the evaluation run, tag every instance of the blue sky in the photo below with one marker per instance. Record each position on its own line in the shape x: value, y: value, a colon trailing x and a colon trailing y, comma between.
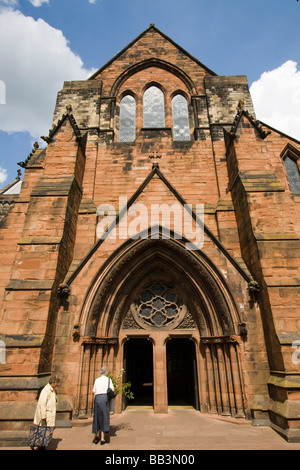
x: 44, y: 42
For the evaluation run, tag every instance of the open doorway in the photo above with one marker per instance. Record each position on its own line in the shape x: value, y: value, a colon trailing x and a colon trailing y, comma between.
x: 138, y: 365
x: 182, y: 373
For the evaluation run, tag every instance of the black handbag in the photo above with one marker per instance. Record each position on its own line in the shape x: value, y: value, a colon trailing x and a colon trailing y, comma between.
x: 40, y: 436
x: 110, y: 393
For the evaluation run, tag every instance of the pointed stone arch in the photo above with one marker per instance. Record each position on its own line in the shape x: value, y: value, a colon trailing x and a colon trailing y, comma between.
x: 210, y: 320
x: 116, y: 285
x: 153, y: 62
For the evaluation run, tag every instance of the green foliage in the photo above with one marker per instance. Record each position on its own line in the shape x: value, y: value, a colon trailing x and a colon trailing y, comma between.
x: 121, y: 387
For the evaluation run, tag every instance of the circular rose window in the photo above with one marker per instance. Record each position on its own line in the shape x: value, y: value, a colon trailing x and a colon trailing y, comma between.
x: 158, y: 305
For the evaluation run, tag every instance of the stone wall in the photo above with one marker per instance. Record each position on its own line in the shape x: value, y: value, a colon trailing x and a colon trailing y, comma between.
x: 55, y: 268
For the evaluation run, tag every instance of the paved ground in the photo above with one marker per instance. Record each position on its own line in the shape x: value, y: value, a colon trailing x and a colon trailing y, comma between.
x: 177, y: 430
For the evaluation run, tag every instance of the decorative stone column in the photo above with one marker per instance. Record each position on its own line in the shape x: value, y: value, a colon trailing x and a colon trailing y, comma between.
x: 160, y: 374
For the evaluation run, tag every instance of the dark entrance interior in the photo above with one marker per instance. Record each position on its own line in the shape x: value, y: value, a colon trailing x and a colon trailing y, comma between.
x: 138, y: 365
x: 182, y: 373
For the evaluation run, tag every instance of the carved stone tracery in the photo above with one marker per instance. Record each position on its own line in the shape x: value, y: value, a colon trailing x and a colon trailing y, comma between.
x: 139, y: 262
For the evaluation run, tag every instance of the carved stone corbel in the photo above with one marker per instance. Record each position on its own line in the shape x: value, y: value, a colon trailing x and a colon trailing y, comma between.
x: 243, y: 329
x: 63, y: 292
x: 253, y: 289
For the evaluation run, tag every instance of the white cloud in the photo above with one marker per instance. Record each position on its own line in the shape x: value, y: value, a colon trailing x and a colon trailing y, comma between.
x: 9, y: 3
x: 38, y: 3
x: 2, y: 92
x: 35, y: 60
x: 35, y: 3
x: 14, y: 3
x: 276, y: 98
x: 3, y: 175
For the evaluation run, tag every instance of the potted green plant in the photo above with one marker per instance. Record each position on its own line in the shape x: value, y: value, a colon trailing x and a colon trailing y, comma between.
x: 120, y: 387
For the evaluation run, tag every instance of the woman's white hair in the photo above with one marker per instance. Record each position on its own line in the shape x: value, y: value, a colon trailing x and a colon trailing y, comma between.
x: 104, y: 370
x: 54, y: 379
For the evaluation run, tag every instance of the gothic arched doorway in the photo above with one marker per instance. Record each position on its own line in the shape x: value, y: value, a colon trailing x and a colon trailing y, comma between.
x: 156, y: 290
x: 182, y: 374
x: 138, y: 367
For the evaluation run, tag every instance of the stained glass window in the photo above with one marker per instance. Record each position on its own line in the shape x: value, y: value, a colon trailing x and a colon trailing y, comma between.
x: 293, y: 174
x: 181, y: 126
x: 154, y: 108
x: 127, y: 119
x: 158, y: 304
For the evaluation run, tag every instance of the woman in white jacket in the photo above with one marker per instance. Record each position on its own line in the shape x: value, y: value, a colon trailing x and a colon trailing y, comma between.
x: 46, y: 408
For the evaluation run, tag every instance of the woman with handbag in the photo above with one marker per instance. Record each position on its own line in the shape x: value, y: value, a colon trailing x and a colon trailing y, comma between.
x: 102, y: 389
x: 45, y: 416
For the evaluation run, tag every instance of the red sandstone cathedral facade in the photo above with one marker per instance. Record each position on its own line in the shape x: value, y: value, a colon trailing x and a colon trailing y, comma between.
x: 157, y: 232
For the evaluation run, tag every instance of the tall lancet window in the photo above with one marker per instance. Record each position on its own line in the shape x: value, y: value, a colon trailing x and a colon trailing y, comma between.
x: 180, y: 113
x: 293, y: 174
x: 127, y: 119
x: 154, y: 108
